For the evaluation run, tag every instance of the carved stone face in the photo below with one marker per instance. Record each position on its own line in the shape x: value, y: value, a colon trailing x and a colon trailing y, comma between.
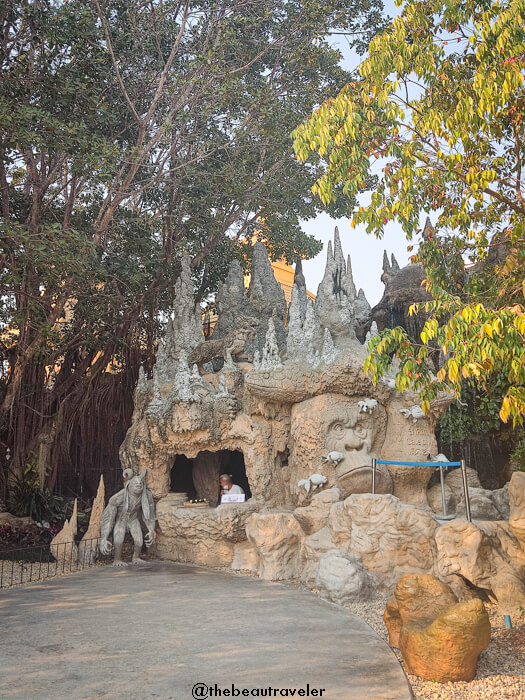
x: 352, y: 433
x: 333, y: 422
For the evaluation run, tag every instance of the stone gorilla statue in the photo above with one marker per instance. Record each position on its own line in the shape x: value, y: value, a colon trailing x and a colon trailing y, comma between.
x: 334, y: 422
x: 121, y: 515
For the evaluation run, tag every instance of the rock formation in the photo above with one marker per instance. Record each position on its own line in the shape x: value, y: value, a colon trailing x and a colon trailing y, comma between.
x: 439, y: 638
x: 88, y: 547
x: 291, y: 408
x: 63, y: 547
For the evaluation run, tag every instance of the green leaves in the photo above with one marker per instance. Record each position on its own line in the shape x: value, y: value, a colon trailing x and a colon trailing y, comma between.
x: 439, y: 109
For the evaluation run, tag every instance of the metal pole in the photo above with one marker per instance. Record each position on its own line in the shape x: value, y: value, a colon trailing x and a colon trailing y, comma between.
x: 465, y: 489
x: 373, y: 475
x: 443, y: 499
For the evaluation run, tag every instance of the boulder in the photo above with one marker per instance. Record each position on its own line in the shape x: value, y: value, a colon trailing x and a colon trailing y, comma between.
x: 392, y: 620
x: 277, y: 538
x: 314, y: 516
x: 487, y: 554
x: 313, y: 548
x: 391, y: 537
x: 439, y: 638
x: 342, y: 578
x: 245, y: 557
x: 201, y: 535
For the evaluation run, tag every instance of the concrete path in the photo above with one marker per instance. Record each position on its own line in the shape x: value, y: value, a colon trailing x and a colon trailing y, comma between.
x: 159, y: 630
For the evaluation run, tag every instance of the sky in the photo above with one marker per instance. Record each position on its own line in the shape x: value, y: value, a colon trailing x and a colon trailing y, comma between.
x: 365, y: 250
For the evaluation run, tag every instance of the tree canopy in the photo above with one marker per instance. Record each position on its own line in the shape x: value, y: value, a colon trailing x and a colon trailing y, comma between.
x: 130, y: 132
x: 437, y: 114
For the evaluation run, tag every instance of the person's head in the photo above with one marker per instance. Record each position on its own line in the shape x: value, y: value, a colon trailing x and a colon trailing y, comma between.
x: 225, y: 481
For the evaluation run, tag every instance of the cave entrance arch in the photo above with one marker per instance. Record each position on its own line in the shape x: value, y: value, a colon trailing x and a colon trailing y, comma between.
x: 198, y: 477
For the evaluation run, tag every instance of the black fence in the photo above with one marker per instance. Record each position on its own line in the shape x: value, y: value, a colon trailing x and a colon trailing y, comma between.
x: 37, y: 563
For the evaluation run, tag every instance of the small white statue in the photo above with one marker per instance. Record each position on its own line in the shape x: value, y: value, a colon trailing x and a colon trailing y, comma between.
x: 438, y: 458
x: 314, y: 481
x: 333, y: 458
x: 415, y: 412
x: 367, y: 405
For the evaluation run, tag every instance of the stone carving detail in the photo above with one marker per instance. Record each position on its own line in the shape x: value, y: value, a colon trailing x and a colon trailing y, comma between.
x: 225, y: 348
x: 414, y: 412
x: 270, y: 353
x: 125, y: 512
x: 314, y: 481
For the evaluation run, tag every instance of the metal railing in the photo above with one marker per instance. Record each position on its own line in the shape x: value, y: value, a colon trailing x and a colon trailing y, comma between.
x: 439, y: 465
x: 36, y: 563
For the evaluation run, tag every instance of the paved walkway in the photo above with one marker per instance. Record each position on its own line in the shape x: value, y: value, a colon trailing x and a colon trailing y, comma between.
x: 157, y: 630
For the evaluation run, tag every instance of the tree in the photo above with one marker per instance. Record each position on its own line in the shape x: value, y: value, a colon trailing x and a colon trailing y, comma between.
x: 130, y: 132
x: 438, y: 114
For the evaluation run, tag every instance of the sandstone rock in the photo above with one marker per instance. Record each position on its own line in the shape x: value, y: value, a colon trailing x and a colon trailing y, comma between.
x: 488, y: 554
x: 447, y: 648
x: 342, y: 578
x: 422, y: 597
x: 277, y: 539
x: 390, y: 537
x: 339, y: 524
x: 315, y: 516
x: 314, y: 547
x: 88, y: 547
x: 201, y: 535
x: 392, y: 620
x: 439, y: 638
x: 245, y: 557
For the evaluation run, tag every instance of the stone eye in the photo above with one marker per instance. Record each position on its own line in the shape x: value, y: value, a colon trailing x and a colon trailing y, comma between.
x: 338, y: 428
x: 360, y: 430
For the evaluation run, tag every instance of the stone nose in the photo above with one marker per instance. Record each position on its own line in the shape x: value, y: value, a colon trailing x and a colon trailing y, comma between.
x: 353, y: 442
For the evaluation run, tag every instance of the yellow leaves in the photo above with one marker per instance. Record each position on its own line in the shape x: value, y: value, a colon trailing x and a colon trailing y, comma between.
x: 453, y: 370
x: 504, y: 412
x: 442, y: 374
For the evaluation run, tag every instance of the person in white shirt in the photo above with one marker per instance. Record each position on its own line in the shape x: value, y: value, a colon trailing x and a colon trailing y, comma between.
x: 227, y: 486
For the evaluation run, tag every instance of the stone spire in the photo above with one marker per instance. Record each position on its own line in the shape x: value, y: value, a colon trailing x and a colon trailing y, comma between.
x: 334, y: 306
x: 266, y: 299
x: 185, y: 329
x: 300, y: 282
x: 231, y: 301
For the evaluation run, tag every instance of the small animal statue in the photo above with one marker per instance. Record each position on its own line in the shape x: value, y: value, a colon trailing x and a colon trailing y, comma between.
x: 367, y: 405
x: 415, y: 412
x: 232, y: 344
x: 124, y: 513
x: 313, y: 482
x: 333, y: 458
x: 438, y: 458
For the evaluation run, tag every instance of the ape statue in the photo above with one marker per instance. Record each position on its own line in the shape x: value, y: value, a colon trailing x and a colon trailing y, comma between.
x: 121, y: 515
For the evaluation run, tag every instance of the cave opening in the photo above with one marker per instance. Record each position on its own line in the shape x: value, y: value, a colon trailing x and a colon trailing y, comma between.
x: 198, y: 477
